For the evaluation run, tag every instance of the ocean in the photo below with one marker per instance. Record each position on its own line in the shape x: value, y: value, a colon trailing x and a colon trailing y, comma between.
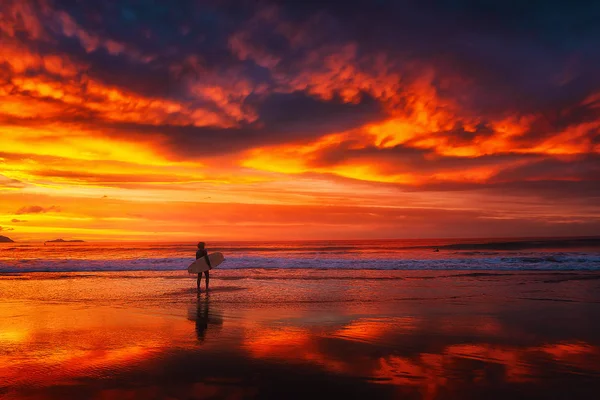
x: 425, y: 254
x: 489, y: 319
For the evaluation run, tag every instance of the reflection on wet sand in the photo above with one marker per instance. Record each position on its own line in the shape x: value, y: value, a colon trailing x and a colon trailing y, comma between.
x: 54, y: 344
x: 201, y: 314
x: 227, y: 344
x: 429, y: 370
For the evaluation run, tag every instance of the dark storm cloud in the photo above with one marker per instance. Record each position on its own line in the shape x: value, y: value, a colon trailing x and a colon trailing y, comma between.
x: 546, y: 193
x: 530, y: 46
x: 279, y: 71
x: 586, y: 167
x: 301, y: 114
x: 157, y: 38
x: 575, y: 179
x: 557, y: 119
x: 459, y: 135
x: 522, y: 56
x: 282, y: 118
x: 408, y: 159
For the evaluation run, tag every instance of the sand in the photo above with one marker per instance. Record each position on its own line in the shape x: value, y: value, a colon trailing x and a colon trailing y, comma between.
x: 300, y: 334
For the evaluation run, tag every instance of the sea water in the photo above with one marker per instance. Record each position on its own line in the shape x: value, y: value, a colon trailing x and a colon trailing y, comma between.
x: 449, y: 254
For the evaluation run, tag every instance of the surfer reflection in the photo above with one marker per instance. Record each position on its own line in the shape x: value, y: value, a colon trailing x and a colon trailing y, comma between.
x: 200, y: 313
x: 202, y: 252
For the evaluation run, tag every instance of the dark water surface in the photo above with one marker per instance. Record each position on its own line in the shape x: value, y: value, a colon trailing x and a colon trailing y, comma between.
x: 281, y: 334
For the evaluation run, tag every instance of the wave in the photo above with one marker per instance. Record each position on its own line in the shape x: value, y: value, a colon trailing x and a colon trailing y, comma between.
x: 575, y: 261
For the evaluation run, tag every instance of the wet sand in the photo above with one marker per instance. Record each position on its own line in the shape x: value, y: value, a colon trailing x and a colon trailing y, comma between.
x: 300, y: 334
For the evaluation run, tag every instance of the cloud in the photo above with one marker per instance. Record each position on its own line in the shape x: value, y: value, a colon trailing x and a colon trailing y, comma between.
x: 280, y: 71
x: 299, y: 113
x: 37, y: 210
x: 14, y: 220
x: 404, y: 96
x: 10, y: 183
x: 6, y: 229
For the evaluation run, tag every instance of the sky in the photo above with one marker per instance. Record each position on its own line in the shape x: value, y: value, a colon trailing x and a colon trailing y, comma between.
x: 275, y: 120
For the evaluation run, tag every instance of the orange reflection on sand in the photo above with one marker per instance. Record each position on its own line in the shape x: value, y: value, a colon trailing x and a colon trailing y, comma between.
x: 481, y: 324
x: 292, y: 345
x: 374, y: 330
x: 433, y: 372
x: 513, y: 359
x: 278, y: 343
x: 62, y: 364
x: 579, y: 355
x: 427, y: 373
x: 561, y: 351
x: 55, y: 344
x: 430, y: 372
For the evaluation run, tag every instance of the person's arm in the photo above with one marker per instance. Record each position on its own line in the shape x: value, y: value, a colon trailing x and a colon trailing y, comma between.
x: 207, y: 259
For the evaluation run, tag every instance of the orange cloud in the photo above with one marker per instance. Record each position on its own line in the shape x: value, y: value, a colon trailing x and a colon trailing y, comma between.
x: 36, y: 210
x: 193, y: 127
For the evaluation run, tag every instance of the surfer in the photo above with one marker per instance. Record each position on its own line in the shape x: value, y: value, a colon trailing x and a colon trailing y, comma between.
x: 202, y: 253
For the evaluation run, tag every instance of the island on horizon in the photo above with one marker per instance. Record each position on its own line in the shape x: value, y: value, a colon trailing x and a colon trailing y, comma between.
x: 64, y: 241
x: 4, y: 239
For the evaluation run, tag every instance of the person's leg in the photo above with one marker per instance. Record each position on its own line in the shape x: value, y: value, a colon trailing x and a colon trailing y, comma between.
x: 206, y: 273
x: 198, y: 282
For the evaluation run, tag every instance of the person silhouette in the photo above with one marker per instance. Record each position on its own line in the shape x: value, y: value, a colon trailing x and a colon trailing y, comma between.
x: 203, y: 317
x: 202, y: 253
x: 202, y: 314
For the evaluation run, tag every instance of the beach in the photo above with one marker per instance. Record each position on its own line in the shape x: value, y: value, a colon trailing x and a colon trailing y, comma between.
x: 296, y: 333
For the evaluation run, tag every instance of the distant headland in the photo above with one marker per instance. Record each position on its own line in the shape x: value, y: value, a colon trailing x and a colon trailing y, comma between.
x: 63, y: 241
x: 4, y: 239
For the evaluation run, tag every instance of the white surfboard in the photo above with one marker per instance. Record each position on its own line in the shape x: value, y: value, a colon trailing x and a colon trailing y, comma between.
x: 200, y: 264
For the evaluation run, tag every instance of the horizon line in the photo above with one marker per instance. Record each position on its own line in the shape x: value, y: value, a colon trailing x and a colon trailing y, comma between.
x: 308, y: 240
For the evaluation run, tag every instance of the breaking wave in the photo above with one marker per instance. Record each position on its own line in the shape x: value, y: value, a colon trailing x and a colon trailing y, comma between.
x: 562, y: 262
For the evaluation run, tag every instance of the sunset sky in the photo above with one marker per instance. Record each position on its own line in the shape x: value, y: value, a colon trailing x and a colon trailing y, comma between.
x: 251, y: 120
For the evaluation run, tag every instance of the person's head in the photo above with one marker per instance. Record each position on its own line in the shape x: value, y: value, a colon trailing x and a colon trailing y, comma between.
x: 201, y: 245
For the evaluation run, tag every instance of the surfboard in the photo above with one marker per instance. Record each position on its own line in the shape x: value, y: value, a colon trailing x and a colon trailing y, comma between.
x: 200, y: 264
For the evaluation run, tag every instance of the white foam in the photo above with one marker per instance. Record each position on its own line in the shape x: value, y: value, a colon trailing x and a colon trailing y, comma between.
x: 546, y: 261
